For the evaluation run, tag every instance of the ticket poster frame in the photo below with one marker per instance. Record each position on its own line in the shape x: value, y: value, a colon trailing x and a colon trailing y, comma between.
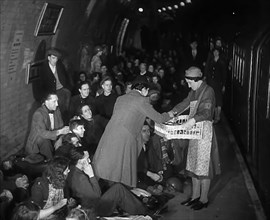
x: 33, y: 71
x: 48, y: 20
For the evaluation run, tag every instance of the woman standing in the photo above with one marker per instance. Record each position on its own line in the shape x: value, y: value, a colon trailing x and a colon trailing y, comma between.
x: 118, y: 150
x: 202, y: 158
x: 96, y: 61
x: 216, y: 74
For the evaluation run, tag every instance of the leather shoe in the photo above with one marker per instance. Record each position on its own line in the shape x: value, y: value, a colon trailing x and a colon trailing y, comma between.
x: 190, y: 202
x: 199, y: 205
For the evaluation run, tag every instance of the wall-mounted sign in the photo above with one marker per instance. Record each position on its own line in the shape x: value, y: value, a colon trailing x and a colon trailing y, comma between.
x: 15, y: 52
x: 49, y: 19
x: 33, y: 71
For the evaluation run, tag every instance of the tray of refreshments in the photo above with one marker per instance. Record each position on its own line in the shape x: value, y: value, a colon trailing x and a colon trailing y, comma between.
x: 173, y: 129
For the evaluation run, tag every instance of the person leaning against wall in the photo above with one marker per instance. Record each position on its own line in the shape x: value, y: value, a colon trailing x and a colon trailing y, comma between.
x: 54, y: 78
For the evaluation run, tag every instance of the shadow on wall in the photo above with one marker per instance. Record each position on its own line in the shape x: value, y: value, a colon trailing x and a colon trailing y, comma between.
x: 8, y: 147
x: 12, y: 146
x: 33, y: 108
x: 40, y: 56
x: 36, y: 85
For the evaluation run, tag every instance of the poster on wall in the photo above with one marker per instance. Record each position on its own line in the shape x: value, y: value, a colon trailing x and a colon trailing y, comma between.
x: 15, y: 52
x: 49, y: 19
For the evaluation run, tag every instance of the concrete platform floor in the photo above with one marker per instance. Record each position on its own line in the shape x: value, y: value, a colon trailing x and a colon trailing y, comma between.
x: 232, y: 194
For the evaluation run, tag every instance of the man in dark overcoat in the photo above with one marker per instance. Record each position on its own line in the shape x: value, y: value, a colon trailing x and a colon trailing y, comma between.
x: 55, y: 79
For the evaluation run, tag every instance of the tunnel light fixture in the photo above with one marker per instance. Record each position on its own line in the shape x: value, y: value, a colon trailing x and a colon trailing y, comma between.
x: 163, y: 8
x: 121, y: 35
x: 140, y: 9
x: 188, y: 1
x: 169, y: 8
x: 182, y: 4
x: 175, y: 6
x: 159, y: 10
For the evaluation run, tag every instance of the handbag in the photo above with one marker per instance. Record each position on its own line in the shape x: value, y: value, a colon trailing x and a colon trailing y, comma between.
x: 176, y: 151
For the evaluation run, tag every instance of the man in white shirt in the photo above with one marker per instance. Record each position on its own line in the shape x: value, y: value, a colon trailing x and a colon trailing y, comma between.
x: 54, y: 78
x: 47, y: 125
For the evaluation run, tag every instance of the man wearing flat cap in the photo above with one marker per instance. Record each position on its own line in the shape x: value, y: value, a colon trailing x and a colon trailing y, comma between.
x: 55, y: 79
x: 202, y: 158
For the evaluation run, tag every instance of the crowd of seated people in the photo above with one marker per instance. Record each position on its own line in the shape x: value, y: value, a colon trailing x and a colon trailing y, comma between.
x: 66, y: 144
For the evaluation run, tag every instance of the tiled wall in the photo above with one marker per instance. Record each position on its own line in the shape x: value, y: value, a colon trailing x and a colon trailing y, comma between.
x: 18, y: 47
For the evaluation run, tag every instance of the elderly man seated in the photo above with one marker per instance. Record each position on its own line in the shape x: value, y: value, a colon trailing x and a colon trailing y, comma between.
x: 47, y: 125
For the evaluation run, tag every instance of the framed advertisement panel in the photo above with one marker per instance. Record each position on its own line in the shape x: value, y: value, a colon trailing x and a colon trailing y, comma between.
x: 33, y: 71
x: 49, y: 19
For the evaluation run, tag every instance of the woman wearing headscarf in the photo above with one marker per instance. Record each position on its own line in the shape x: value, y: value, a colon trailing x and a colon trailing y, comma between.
x: 202, y: 158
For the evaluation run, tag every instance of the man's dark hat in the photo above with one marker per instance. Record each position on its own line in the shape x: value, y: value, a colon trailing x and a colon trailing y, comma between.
x: 53, y: 51
x: 153, y: 92
x: 106, y: 78
x: 34, y: 158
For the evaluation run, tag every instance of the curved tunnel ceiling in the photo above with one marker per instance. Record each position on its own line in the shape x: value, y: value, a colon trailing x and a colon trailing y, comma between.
x: 198, y: 6
x: 198, y: 15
